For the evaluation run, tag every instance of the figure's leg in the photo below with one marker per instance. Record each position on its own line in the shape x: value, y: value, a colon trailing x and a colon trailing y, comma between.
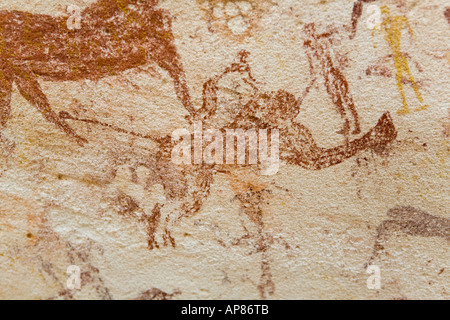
x: 414, y: 84
x: 31, y: 90
x: 338, y: 89
x: 252, y: 200
x: 338, y: 102
x: 299, y: 148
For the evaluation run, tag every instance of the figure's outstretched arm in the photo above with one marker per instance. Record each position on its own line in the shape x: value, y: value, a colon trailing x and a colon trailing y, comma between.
x: 299, y: 148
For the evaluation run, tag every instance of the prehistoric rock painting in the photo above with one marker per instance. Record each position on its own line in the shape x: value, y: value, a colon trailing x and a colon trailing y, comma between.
x: 120, y: 35
x: 279, y: 110
x: 409, y: 221
x: 114, y: 36
x: 392, y: 29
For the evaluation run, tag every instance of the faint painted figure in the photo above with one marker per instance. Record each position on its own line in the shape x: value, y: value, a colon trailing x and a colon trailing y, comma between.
x: 391, y: 27
x: 279, y: 110
x: 410, y: 221
x: 274, y: 110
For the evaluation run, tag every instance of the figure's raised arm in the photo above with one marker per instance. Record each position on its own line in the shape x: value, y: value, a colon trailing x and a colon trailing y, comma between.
x: 410, y: 30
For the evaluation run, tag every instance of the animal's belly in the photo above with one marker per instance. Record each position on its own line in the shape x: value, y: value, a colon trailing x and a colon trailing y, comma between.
x: 85, y: 65
x: 74, y: 59
x: 45, y: 45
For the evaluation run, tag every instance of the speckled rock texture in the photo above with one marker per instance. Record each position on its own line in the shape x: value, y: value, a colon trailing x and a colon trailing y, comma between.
x: 120, y: 176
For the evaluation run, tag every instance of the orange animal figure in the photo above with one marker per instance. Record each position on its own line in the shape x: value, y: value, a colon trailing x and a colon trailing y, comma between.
x: 114, y: 35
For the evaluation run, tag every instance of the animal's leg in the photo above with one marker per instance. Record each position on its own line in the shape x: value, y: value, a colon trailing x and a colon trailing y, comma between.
x: 176, y: 72
x: 31, y: 90
x: 5, y: 106
x: 384, y: 231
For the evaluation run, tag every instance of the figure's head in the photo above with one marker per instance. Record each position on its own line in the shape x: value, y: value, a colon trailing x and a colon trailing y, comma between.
x: 309, y: 29
x: 233, y: 89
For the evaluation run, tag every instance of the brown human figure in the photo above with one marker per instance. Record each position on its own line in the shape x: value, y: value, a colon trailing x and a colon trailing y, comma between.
x: 322, y: 60
x: 411, y: 221
x: 114, y: 35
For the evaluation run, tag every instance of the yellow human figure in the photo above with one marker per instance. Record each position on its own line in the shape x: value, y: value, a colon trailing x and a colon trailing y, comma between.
x: 392, y: 26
